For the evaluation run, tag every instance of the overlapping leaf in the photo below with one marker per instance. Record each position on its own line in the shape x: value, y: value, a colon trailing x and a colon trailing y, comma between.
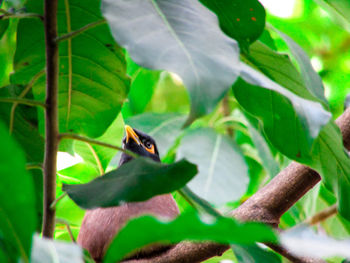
x: 223, y: 173
x: 92, y: 67
x: 181, y: 37
x: 137, y: 180
x: 188, y: 226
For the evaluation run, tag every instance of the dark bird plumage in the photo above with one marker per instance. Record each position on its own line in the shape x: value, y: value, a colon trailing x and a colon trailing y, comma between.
x: 100, y: 225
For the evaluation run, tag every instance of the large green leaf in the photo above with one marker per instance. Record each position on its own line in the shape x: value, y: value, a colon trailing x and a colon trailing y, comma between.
x: 285, y: 116
x: 223, y: 173
x: 137, y: 180
x: 188, y: 226
x: 18, y: 218
x: 4, y: 24
x: 340, y: 9
x: 92, y: 67
x: 241, y: 20
x: 164, y: 128
x: 173, y: 35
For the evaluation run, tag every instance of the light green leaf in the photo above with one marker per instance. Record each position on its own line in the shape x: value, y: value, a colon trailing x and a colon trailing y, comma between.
x: 173, y: 35
x: 223, y: 173
x: 92, y: 67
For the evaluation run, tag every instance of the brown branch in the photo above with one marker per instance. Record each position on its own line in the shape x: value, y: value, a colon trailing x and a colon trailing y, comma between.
x: 51, y: 116
x: 225, y: 106
x: 267, y: 206
x: 322, y: 215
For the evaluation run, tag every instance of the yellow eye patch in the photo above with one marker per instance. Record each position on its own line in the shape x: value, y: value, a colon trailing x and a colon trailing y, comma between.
x: 150, y: 150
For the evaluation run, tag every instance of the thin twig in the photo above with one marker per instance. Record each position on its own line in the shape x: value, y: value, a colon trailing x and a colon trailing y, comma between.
x: 69, y: 230
x: 22, y: 95
x: 97, y: 159
x: 8, y: 15
x: 225, y: 106
x: 54, y: 203
x: 80, y: 30
x: 23, y: 101
x: 51, y: 116
x: 92, y: 141
x: 322, y: 215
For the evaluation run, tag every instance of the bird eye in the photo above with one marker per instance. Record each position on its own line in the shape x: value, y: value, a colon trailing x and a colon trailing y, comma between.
x: 148, y: 144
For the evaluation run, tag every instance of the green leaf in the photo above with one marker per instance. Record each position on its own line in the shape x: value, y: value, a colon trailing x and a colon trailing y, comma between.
x: 254, y: 253
x: 164, y: 128
x: 241, y: 20
x: 188, y: 226
x: 4, y: 24
x: 137, y: 180
x: 143, y: 83
x: 46, y: 250
x: 312, y: 80
x: 18, y: 219
x: 333, y: 163
x: 173, y: 35
x: 285, y: 116
x: 99, y: 156
x: 340, y: 9
x: 92, y: 67
x: 223, y: 173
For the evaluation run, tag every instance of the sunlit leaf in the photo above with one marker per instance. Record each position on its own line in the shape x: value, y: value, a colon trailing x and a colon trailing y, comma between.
x: 18, y: 219
x: 188, y: 226
x: 174, y: 36
x: 92, y: 67
x: 137, y: 180
x: 254, y: 253
x: 223, y: 173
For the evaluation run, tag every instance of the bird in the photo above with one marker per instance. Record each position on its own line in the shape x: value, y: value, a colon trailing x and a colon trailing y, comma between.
x: 101, y: 225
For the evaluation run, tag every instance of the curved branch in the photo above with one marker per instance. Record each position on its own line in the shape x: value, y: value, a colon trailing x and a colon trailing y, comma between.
x: 267, y: 205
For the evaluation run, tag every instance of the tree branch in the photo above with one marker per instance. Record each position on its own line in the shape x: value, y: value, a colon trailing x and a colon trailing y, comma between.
x: 51, y: 116
x: 322, y: 215
x: 267, y: 206
x: 23, y: 101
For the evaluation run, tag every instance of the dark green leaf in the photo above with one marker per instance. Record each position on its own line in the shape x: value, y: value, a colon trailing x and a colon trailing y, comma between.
x: 92, y: 67
x: 285, y: 118
x: 18, y: 219
x: 173, y: 35
x: 188, y: 226
x: 241, y: 20
x: 253, y: 253
x: 137, y: 180
x: 223, y: 173
x: 4, y: 24
x: 46, y: 251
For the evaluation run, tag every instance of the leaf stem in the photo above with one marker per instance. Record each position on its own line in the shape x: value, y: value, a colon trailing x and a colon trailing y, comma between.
x: 197, y: 202
x: 92, y: 141
x: 97, y: 159
x: 32, y: 166
x: 80, y: 30
x: 51, y: 116
x: 23, y: 101
x: 54, y: 203
x: 69, y: 230
x: 322, y: 215
x: 8, y: 15
x: 22, y: 95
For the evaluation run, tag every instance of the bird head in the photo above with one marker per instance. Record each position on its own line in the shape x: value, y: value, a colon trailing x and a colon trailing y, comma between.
x: 139, y: 143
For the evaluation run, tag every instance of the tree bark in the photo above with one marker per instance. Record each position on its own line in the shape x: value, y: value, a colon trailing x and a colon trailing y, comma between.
x: 51, y: 116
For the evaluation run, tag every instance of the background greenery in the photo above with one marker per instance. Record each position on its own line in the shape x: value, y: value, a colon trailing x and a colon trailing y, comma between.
x: 277, y: 111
